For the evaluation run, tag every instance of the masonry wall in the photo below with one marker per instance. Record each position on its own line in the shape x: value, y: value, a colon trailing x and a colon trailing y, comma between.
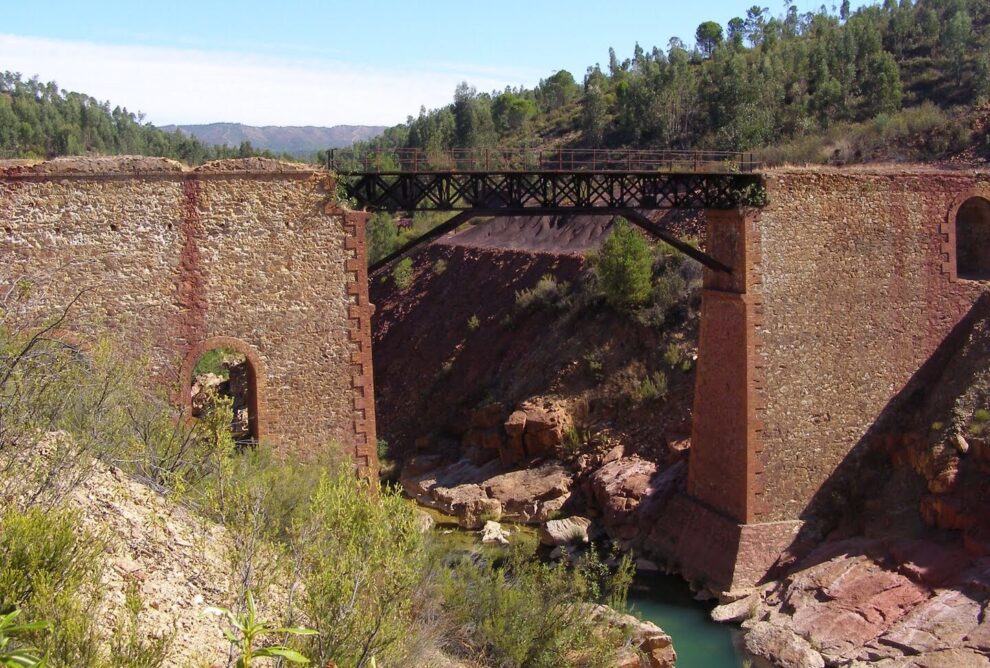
x: 858, y: 289
x: 171, y: 261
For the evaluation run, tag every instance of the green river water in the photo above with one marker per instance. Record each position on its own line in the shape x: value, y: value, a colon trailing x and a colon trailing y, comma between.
x: 667, y: 601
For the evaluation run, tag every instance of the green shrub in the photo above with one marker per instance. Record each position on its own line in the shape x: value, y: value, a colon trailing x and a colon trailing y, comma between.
x: 50, y: 569
x: 212, y: 361
x: 38, y: 546
x: 652, y: 387
x: 13, y: 655
x: 547, y: 292
x: 673, y: 355
x: 439, y: 267
x: 595, y: 365
x: 363, y: 559
x: 402, y: 274
x: 247, y: 630
x: 624, y: 267
x: 382, y: 236
x: 473, y: 323
x: 527, y: 613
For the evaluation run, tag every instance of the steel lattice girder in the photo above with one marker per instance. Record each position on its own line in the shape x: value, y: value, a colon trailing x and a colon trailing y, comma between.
x: 454, y: 191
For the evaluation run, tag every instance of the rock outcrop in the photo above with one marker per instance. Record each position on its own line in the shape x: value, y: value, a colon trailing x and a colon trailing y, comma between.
x: 567, y: 531
x: 475, y: 494
x: 646, y: 640
x: 537, y: 429
x: 861, y: 601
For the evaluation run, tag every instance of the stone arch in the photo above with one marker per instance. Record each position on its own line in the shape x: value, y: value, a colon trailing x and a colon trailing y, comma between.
x: 969, y: 227
x: 257, y: 422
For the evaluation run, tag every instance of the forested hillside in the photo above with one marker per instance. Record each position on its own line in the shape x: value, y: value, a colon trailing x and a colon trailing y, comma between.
x: 300, y: 141
x: 879, y: 75
x: 39, y: 120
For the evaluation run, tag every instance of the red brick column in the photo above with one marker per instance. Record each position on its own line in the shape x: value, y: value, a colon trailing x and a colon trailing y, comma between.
x: 716, y: 533
x: 725, y: 469
x: 364, y: 445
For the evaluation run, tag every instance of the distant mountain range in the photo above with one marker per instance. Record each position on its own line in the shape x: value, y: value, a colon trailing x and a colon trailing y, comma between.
x: 299, y: 141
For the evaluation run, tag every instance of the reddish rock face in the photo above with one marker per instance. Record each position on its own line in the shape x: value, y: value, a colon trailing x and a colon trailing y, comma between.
x: 515, y: 425
x: 618, y: 488
x: 842, y: 604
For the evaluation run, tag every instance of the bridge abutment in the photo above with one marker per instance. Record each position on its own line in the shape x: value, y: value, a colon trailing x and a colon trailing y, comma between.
x: 714, y: 532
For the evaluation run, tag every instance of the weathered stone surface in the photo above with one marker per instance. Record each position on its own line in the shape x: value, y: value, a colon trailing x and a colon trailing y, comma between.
x: 523, y: 493
x: 899, y: 603
x: 469, y: 503
x: 781, y: 647
x: 618, y: 488
x: 829, y: 309
x: 547, y: 422
x: 487, y: 417
x: 565, y: 531
x: 950, y: 619
x: 454, y: 488
x: 171, y: 258
x: 737, y: 611
x: 515, y: 425
x: 646, y: 637
x: 846, y: 602
x: 476, y: 493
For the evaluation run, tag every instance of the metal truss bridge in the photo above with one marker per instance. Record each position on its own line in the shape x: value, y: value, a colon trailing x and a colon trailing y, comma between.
x: 460, y: 180
x: 513, y: 182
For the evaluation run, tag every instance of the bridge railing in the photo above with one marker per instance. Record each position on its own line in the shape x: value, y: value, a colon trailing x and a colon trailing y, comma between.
x: 351, y: 161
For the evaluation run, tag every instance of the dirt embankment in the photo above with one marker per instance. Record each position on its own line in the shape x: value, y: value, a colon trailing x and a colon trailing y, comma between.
x: 458, y: 338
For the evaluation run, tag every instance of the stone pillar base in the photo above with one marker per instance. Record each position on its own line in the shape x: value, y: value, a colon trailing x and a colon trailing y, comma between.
x: 706, y: 546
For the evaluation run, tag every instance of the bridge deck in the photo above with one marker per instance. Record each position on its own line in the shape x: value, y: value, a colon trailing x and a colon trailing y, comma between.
x: 492, y: 179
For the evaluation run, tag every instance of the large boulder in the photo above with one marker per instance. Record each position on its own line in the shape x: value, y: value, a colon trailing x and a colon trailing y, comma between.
x: 781, y: 647
x: 469, y: 503
x: 476, y: 493
x: 646, y: 638
x: 545, y: 426
x: 618, y: 488
x: 515, y: 425
x: 525, y: 494
x: 453, y: 489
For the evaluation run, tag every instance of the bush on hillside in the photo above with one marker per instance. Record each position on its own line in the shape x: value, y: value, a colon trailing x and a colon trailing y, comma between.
x: 383, y: 236
x: 403, y: 273
x: 527, y: 613
x: 363, y: 559
x: 50, y: 569
x: 624, y: 267
x: 547, y: 292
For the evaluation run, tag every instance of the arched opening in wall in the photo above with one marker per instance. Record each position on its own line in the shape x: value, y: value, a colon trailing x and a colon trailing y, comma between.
x: 973, y: 239
x: 222, y: 376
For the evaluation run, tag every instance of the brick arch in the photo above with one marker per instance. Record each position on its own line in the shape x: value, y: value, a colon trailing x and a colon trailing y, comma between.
x: 256, y: 369
x: 950, y: 232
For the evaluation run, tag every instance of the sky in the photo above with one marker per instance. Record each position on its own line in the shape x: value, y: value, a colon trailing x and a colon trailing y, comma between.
x: 313, y: 62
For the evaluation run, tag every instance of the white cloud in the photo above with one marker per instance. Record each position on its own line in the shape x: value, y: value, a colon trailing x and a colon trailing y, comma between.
x: 192, y: 86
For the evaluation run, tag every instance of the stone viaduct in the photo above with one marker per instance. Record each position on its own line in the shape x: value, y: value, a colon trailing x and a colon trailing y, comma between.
x: 250, y: 254
x: 841, y: 289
